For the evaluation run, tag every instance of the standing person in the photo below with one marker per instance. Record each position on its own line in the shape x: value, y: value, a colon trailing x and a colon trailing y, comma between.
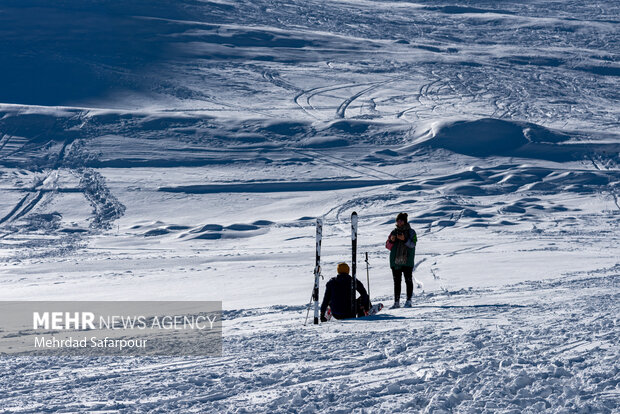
x: 401, y: 244
x: 338, y: 296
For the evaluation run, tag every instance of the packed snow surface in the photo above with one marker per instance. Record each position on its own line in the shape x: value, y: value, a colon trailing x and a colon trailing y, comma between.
x: 157, y: 150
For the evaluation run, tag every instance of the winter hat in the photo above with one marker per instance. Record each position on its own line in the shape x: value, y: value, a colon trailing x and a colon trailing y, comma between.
x: 343, y: 268
x: 402, y: 216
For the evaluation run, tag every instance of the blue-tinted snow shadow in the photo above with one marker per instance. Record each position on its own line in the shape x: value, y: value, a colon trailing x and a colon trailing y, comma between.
x: 54, y: 53
x: 380, y: 317
x: 495, y: 305
x: 274, y: 187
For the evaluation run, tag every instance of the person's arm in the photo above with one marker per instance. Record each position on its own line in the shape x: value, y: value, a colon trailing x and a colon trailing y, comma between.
x: 327, y: 297
x: 389, y: 243
x: 363, y: 294
x: 413, y: 239
x: 361, y: 289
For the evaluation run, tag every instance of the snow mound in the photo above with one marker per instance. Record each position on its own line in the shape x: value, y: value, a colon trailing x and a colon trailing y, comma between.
x: 487, y: 136
x: 484, y: 137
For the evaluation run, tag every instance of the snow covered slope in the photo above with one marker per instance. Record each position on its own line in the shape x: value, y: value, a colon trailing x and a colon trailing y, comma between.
x: 152, y: 150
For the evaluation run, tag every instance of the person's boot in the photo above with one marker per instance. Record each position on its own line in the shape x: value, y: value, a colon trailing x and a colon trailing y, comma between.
x: 408, y: 303
x: 396, y: 305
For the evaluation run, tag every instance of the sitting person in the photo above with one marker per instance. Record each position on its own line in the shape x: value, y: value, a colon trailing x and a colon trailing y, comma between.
x: 338, y: 296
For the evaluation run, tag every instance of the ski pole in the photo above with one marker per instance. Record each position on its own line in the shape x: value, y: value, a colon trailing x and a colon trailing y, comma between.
x: 309, y: 306
x: 367, y: 276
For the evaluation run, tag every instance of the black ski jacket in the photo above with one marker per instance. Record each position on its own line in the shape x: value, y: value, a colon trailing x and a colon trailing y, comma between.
x: 338, y: 296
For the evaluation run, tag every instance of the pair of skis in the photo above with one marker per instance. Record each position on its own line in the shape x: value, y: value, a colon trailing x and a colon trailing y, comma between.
x: 317, y: 267
x: 317, y: 272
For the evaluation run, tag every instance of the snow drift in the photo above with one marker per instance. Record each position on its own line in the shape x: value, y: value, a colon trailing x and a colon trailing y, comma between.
x: 488, y: 137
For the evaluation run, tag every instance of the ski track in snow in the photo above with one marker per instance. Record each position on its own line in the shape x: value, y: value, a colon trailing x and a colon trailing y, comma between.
x: 153, y: 150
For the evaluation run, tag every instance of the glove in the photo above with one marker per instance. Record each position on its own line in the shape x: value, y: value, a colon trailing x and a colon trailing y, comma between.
x: 323, y: 318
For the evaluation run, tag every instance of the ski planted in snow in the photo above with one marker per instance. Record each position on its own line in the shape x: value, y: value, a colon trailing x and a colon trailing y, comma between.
x: 317, y: 269
x: 353, y: 262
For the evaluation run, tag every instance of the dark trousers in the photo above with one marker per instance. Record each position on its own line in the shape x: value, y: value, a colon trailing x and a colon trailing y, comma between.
x: 398, y: 275
x: 362, y: 304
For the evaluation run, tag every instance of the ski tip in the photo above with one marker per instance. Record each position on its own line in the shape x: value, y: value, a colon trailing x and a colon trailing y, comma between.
x: 354, y: 213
